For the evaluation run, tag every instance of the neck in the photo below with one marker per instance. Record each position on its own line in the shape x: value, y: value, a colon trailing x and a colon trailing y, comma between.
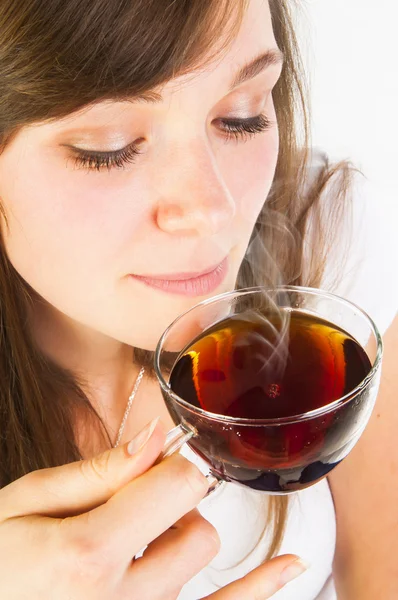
x: 104, y: 366
x: 107, y: 372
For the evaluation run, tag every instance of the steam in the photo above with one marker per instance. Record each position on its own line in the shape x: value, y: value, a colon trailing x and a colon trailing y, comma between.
x: 271, y: 310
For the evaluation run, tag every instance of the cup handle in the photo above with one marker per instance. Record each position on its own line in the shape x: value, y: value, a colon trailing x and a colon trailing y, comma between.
x: 175, y: 440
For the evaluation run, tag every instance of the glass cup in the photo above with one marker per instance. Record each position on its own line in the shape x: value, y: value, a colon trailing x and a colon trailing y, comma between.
x: 280, y: 455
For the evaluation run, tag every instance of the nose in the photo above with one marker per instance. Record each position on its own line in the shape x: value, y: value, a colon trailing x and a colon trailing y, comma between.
x: 194, y: 198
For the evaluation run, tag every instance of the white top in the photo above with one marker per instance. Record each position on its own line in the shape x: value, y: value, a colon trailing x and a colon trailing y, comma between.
x: 370, y: 280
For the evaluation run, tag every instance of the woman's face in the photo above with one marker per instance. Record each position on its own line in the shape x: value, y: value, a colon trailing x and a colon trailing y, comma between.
x: 185, y: 200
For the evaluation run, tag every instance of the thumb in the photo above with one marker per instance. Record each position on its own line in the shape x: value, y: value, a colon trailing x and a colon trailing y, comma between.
x: 80, y: 486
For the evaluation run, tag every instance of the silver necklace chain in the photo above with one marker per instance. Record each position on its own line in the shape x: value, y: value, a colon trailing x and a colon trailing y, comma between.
x: 129, y: 405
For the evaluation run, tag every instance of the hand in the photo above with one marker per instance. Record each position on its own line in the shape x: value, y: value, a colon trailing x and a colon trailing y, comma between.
x: 72, y: 532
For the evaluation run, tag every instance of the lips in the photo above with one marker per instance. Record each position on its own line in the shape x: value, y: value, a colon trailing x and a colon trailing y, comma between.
x: 187, y: 284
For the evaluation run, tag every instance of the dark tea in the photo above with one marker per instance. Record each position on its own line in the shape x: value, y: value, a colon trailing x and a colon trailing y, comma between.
x: 255, y: 367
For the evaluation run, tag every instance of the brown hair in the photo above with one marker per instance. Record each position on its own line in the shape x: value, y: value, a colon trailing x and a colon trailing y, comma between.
x: 60, y: 56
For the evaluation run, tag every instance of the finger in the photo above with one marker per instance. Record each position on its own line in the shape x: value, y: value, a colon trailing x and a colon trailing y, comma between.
x: 263, y: 582
x: 80, y: 486
x: 142, y: 510
x: 176, y: 556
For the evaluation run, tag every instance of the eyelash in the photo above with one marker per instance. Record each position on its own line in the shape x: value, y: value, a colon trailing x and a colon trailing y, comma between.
x: 236, y: 129
x: 244, y: 129
x: 109, y: 160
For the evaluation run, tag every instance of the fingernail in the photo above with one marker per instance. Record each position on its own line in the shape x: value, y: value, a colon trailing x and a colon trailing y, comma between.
x: 142, y: 438
x: 295, y: 569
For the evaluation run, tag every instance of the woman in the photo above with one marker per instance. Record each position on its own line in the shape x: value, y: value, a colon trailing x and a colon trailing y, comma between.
x: 140, y: 140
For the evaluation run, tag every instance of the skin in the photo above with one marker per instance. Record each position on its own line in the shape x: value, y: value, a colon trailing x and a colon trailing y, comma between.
x: 191, y: 198
x: 73, y: 531
x: 366, y: 499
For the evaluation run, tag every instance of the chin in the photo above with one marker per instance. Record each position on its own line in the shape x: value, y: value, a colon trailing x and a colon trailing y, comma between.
x: 147, y: 333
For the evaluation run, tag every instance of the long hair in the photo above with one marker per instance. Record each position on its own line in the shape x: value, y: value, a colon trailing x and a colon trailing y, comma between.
x: 60, y: 56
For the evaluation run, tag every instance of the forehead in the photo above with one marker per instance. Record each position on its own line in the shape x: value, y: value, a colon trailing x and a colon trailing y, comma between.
x: 254, y: 37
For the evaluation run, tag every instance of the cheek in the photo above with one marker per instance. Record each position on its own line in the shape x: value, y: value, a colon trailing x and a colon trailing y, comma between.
x: 71, y: 234
x: 74, y: 217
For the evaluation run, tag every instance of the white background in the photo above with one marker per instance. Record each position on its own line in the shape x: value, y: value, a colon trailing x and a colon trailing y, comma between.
x: 351, y: 53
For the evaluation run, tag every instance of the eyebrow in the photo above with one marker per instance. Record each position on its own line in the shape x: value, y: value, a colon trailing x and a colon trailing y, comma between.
x: 271, y: 57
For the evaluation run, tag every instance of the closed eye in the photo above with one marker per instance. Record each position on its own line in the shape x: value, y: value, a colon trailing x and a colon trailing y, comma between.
x: 93, y: 159
x: 239, y: 129
x: 236, y: 129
